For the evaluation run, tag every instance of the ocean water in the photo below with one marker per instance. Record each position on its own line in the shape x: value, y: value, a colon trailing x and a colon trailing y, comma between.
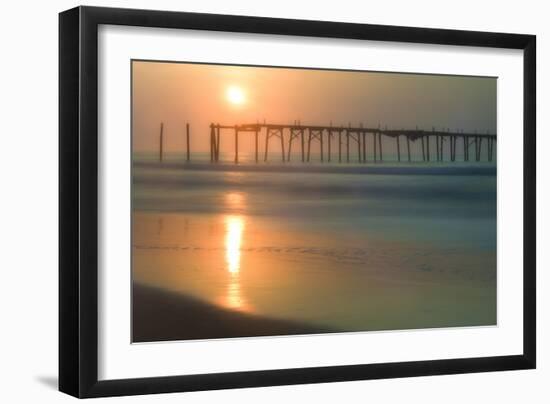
x: 351, y: 247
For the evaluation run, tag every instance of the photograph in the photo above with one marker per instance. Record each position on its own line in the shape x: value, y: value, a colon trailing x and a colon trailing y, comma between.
x: 270, y: 201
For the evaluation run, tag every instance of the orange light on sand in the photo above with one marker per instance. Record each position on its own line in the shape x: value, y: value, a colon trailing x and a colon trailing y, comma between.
x: 235, y: 95
x: 234, y: 299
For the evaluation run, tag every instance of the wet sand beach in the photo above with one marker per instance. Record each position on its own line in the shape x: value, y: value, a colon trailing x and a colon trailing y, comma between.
x: 160, y: 315
x: 243, y: 253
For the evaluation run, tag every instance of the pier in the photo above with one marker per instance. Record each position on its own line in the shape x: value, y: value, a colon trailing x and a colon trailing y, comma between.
x: 351, y: 142
x: 345, y: 144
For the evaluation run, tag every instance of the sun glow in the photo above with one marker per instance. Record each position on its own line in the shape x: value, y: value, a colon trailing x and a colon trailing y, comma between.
x: 235, y: 95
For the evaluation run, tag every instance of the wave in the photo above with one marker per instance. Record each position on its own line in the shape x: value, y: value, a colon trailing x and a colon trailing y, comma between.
x: 466, y: 189
x: 459, y: 169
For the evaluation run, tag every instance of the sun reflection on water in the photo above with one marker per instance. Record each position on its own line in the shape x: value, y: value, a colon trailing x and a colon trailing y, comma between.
x: 234, y: 299
x: 234, y: 227
x: 235, y: 201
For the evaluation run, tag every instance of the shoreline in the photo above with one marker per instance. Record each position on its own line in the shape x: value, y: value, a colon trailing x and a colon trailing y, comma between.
x: 159, y: 315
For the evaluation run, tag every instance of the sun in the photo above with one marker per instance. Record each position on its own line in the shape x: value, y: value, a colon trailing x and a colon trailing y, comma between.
x: 235, y: 95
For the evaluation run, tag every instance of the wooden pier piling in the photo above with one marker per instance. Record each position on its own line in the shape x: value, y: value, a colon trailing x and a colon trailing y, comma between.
x: 282, y: 145
x: 302, y: 137
x: 454, y: 146
x: 347, y: 146
x: 266, y: 143
x: 339, y: 146
x: 212, y: 135
x: 423, y: 152
x: 320, y: 134
x: 217, y: 143
x: 451, y: 148
x: 441, y: 140
x: 428, y: 147
x: 329, y: 144
x: 289, y: 146
x: 480, y: 147
x: 437, y: 156
x: 380, y: 146
x: 464, y: 148
x: 398, y: 149
x: 236, y: 145
x: 359, y: 147
x: 161, y: 142
x: 256, y: 145
x: 439, y: 146
x: 188, y: 149
x: 374, y: 146
x: 364, y: 147
x: 308, y: 145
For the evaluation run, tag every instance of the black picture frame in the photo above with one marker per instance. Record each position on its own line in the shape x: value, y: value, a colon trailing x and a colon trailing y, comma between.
x: 78, y: 201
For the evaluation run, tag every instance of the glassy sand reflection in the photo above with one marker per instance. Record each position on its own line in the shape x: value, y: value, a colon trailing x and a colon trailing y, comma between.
x: 234, y: 226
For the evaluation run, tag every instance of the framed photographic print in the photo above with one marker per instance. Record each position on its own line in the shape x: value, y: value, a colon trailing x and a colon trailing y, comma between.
x: 251, y: 201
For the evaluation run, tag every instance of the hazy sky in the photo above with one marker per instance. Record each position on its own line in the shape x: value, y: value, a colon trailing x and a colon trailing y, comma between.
x: 176, y: 93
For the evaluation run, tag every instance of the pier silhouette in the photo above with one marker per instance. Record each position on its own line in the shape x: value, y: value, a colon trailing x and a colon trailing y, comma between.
x: 353, y: 143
